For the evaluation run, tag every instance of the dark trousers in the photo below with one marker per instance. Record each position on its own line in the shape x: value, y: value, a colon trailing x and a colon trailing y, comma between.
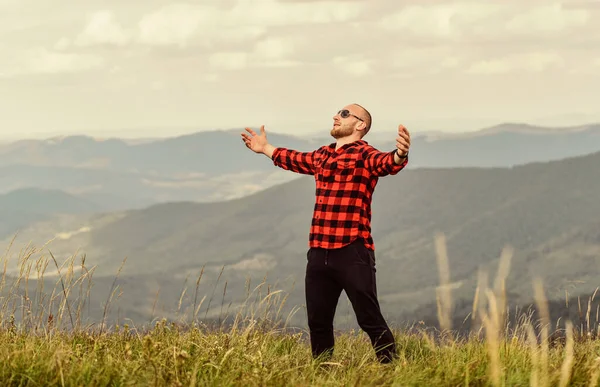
x: 352, y: 269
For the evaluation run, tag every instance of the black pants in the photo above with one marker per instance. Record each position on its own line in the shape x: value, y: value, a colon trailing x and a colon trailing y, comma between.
x: 352, y: 269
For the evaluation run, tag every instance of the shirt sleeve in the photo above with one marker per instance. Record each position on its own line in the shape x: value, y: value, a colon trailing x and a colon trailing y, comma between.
x: 382, y: 163
x: 295, y: 161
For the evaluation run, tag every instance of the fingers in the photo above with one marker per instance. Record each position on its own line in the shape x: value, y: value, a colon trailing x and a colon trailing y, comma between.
x: 253, y: 133
x: 403, y: 139
x: 402, y: 144
x: 246, y: 138
x: 403, y: 132
x: 403, y: 135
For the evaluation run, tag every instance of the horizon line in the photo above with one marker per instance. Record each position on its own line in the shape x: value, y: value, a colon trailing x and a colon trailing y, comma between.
x: 191, y: 130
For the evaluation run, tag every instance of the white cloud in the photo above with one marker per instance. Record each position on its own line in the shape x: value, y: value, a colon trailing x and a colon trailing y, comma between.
x: 44, y: 61
x: 353, y: 65
x: 450, y: 62
x: 470, y: 20
x: 534, y: 62
x: 181, y: 23
x: 102, y: 28
x: 270, y: 52
x: 276, y: 13
x: 439, y: 20
x: 229, y: 60
x: 240, y: 34
x: 275, y: 48
x: 547, y: 18
x: 419, y: 60
x: 174, y: 24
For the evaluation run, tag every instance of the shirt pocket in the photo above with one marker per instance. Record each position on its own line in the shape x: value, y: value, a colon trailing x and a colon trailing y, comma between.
x: 344, y: 171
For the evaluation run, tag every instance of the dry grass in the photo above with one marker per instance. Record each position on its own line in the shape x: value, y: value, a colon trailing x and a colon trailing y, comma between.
x: 47, y: 344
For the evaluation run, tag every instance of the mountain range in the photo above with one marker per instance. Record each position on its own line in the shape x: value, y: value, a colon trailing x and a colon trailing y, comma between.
x: 85, y: 164
x: 547, y: 211
x: 116, y: 174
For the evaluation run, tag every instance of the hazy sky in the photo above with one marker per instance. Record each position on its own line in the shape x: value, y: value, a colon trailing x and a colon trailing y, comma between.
x: 158, y: 67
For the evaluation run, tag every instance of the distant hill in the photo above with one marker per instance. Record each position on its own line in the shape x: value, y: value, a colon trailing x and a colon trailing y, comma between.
x: 219, y: 152
x: 547, y: 211
x: 22, y: 207
x: 41, y: 201
x: 214, y: 165
x: 212, y: 153
x: 505, y: 145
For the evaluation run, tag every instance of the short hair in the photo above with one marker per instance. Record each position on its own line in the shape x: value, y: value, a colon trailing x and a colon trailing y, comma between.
x: 368, y: 120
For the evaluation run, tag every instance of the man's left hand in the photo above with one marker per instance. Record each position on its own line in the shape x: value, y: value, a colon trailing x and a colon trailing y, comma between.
x: 403, y: 141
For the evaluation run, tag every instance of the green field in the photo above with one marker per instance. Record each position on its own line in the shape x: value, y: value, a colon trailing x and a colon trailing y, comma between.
x: 44, y: 342
x: 167, y: 355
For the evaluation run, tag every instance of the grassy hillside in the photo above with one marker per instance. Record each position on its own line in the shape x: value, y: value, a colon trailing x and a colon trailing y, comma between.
x: 253, y: 356
x: 43, y: 341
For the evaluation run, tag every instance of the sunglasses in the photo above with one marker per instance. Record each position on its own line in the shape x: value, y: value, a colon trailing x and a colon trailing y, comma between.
x: 346, y: 113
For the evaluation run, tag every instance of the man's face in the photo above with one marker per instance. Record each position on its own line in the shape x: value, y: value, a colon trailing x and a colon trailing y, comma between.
x: 346, y: 121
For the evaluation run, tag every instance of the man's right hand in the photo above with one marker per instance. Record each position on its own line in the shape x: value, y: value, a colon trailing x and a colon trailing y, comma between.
x: 258, y: 143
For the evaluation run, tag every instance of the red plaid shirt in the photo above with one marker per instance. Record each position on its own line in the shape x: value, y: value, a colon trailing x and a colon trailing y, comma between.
x: 345, y: 181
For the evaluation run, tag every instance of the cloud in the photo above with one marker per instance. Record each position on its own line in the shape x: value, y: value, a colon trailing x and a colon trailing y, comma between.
x: 275, y: 13
x: 392, y: 37
x: 102, y: 28
x: 270, y: 52
x: 547, y: 19
x: 45, y: 61
x: 275, y: 48
x: 353, y: 65
x: 439, y: 20
x: 175, y: 24
x: 534, y: 62
x: 469, y: 20
x: 314, y: 1
x: 182, y: 24
x: 450, y: 62
x: 229, y: 60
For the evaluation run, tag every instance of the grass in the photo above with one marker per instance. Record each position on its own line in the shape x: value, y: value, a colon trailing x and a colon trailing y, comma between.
x: 43, y: 342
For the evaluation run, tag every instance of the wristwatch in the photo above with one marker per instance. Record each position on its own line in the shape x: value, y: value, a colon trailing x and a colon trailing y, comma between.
x: 399, y: 155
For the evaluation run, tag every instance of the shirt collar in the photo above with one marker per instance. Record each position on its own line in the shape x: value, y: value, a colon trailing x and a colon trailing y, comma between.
x: 361, y: 142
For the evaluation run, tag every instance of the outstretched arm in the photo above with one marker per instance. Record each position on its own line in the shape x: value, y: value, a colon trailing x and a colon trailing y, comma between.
x: 390, y: 163
x: 288, y: 159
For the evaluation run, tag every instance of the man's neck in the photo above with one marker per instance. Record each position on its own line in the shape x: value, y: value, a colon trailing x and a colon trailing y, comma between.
x: 340, y: 142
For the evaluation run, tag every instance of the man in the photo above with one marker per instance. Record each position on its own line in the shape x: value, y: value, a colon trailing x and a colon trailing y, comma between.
x: 341, y: 249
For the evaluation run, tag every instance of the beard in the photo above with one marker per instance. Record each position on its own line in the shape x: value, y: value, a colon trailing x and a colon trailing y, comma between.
x: 341, y: 131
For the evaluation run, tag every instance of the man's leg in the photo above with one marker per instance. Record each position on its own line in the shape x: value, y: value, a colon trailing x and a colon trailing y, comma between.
x: 322, y: 295
x: 359, y: 284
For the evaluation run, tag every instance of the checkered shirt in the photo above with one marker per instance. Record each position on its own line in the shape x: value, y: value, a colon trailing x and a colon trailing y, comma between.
x: 345, y: 181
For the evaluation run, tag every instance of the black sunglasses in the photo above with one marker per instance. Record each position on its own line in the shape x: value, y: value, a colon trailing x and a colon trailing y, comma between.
x: 346, y: 113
